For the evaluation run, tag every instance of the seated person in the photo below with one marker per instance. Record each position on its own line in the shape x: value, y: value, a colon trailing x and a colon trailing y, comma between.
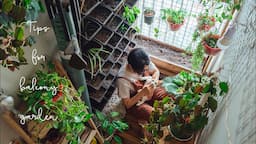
x: 137, y: 80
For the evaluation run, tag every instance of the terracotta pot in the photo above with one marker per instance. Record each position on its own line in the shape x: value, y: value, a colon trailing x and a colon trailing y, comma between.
x: 206, y: 27
x: 173, y: 26
x: 210, y: 50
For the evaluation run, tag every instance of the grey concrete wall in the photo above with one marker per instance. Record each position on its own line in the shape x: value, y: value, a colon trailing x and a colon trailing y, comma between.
x: 235, y: 120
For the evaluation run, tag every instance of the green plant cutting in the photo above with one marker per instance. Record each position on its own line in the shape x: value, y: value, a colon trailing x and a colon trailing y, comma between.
x: 66, y: 105
x: 95, y: 60
x: 130, y: 14
x: 13, y: 17
x: 173, y: 16
x: 185, y: 110
x: 109, y: 124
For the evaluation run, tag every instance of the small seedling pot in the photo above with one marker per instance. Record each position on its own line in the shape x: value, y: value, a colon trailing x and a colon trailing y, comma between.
x: 149, y: 15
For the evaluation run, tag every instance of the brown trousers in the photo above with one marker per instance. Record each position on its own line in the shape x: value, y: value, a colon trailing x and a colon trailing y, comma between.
x: 143, y: 111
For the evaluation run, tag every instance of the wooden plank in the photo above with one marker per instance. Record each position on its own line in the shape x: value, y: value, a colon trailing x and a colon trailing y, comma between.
x: 10, y: 121
x: 90, y: 137
x: 44, y: 131
x: 85, y: 134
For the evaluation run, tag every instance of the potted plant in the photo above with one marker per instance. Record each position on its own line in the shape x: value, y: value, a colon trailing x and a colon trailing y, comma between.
x: 55, y: 96
x: 149, y: 14
x: 205, y: 22
x: 209, y: 43
x: 175, y: 18
x: 109, y: 125
x: 185, y: 110
x: 130, y: 14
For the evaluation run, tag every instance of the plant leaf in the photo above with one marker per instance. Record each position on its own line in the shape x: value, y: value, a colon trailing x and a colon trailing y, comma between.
x: 114, y: 114
x: 19, y: 33
x: 118, y: 139
x: 7, y: 6
x: 224, y: 86
x: 213, y: 104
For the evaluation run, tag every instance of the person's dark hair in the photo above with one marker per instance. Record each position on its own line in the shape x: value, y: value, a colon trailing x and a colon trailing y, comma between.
x: 138, y: 58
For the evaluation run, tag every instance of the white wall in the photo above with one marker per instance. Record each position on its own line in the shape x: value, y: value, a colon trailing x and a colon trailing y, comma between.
x: 9, y: 81
x: 235, y: 122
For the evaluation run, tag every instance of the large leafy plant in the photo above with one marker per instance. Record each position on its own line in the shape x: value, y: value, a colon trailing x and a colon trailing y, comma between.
x: 130, y: 14
x: 110, y: 125
x: 13, y: 17
x: 185, y: 111
x: 66, y: 105
x: 173, y: 16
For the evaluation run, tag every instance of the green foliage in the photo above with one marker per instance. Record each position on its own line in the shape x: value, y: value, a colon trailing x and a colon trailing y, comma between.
x: 13, y: 17
x: 197, y: 57
x: 156, y: 32
x: 173, y: 16
x: 130, y: 14
x: 183, y: 110
x: 65, y: 105
x: 110, y: 124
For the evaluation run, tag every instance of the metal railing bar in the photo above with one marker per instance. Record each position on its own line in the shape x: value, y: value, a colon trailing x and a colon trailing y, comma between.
x: 187, y: 23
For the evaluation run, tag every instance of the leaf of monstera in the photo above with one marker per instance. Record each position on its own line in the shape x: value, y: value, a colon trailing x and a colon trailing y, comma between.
x: 18, y: 13
x: 213, y: 104
x: 7, y: 6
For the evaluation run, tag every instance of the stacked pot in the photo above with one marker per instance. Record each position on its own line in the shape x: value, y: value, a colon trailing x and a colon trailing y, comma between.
x: 103, y: 27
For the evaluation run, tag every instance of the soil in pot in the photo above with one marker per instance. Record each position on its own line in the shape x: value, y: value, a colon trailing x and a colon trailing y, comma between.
x: 103, y: 35
x: 108, y: 81
x: 122, y: 45
x: 97, y: 94
x: 130, y: 34
x: 131, y: 46
x: 88, y: 5
x: 101, y: 14
x: 116, y: 69
x: 110, y: 92
x: 89, y: 28
x: 149, y: 16
x: 123, y: 57
x: 116, y: 55
x: 114, y: 40
x: 113, y: 4
x: 114, y: 23
x: 123, y: 28
x: 164, y: 52
x: 96, y: 81
x: 107, y: 66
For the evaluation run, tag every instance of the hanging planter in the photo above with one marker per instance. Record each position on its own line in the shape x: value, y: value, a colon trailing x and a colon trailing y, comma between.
x: 205, y: 22
x: 149, y: 15
x: 209, y: 43
x: 175, y: 18
x: 174, y: 26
